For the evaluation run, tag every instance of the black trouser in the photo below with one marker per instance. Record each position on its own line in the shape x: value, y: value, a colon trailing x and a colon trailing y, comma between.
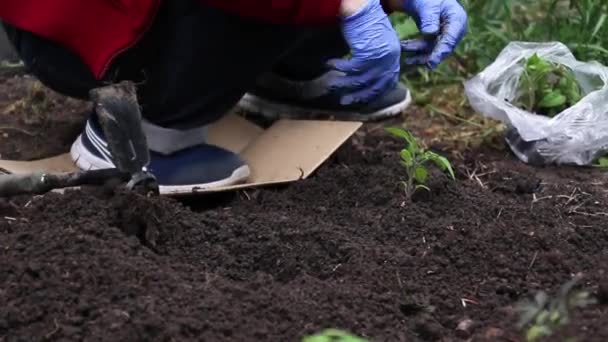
x: 193, y: 65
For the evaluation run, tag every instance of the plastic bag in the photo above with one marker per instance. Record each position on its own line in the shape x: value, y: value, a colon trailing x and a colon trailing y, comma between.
x: 577, y: 135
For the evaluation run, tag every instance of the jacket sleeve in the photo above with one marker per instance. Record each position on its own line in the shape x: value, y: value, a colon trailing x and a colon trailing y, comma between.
x: 287, y: 12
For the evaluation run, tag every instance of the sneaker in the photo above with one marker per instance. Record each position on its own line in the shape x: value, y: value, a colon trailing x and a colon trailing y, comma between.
x: 202, y: 167
x: 276, y: 97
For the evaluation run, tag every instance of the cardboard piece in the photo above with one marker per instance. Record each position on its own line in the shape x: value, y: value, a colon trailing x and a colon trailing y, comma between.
x: 287, y: 151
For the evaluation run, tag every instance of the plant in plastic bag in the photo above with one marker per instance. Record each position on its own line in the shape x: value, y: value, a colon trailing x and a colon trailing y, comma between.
x: 576, y: 135
x: 414, y: 159
x: 547, y: 88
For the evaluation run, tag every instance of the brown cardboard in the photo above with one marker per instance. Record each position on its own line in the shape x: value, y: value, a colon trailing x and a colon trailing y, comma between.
x: 287, y: 151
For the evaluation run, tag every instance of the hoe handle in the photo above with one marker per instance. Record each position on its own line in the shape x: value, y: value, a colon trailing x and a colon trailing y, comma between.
x: 40, y: 182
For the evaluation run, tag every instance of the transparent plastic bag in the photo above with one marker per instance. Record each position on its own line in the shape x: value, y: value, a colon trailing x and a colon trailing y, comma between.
x: 577, y: 135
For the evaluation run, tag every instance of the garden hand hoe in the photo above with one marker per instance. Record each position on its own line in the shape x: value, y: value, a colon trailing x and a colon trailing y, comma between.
x: 120, y: 118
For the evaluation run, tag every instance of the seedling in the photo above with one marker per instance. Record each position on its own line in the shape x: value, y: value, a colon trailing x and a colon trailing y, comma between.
x: 543, y: 316
x: 333, y: 335
x: 414, y: 159
x: 547, y: 88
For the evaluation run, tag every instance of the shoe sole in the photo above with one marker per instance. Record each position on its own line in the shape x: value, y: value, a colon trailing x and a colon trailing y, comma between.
x: 85, y: 160
x: 276, y: 110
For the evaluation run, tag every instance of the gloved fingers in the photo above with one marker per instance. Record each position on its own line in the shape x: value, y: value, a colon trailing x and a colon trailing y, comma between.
x: 417, y: 60
x: 453, y: 33
x: 430, y: 18
x: 417, y: 46
x: 353, y: 82
x: 368, y: 94
x: 353, y: 66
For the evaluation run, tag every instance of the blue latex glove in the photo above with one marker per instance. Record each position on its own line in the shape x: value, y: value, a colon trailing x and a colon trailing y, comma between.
x: 443, y: 22
x: 376, y: 52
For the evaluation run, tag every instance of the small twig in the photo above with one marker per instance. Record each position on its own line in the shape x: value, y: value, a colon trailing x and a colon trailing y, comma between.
x: 533, y: 260
x: 57, y: 328
x: 538, y: 199
x: 454, y: 117
x: 571, y: 197
x: 486, y: 173
x: 499, y: 213
x: 589, y: 214
x: 466, y: 301
x: 483, y: 186
x: 399, y: 280
x: 301, y: 173
x: 20, y: 130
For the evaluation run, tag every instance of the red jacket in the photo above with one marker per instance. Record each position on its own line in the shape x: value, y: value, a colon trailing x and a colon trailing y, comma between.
x: 99, y: 30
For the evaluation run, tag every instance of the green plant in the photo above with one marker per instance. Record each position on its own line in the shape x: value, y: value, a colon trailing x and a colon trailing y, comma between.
x: 543, y: 316
x: 580, y: 24
x: 601, y: 162
x: 414, y: 159
x: 333, y: 335
x: 547, y: 88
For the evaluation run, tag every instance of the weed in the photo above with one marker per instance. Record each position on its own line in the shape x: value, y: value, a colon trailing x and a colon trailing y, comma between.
x: 543, y: 316
x: 547, y: 88
x: 414, y: 159
x: 333, y: 335
x: 601, y: 162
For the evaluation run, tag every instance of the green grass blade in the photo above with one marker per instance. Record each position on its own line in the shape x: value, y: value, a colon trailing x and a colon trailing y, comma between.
x: 599, y: 24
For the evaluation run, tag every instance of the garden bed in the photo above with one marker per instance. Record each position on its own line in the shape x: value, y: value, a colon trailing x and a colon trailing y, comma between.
x: 342, y: 249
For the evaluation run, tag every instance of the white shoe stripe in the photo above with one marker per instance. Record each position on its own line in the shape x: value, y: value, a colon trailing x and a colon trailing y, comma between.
x: 98, y: 140
x: 94, y: 135
x: 98, y: 143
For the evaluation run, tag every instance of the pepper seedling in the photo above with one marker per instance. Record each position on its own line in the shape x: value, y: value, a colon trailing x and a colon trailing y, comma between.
x: 334, y: 335
x: 414, y: 159
x: 547, y: 88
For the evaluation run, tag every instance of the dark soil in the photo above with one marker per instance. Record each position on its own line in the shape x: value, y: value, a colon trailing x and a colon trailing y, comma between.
x: 343, y: 249
x: 36, y: 122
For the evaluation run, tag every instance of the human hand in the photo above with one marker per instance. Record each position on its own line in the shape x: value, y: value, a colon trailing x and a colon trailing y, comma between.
x: 376, y: 52
x: 444, y: 25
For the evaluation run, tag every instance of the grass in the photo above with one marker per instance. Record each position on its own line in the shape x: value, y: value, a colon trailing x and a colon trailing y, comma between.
x: 582, y: 25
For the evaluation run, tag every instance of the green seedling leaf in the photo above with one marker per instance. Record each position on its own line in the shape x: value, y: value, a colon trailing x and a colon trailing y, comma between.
x: 536, y: 332
x: 424, y: 187
x: 405, y: 135
x: 406, y: 158
x: 563, y: 83
x: 421, y: 174
x: 552, y: 100
x: 573, y: 96
x: 533, y: 61
x: 555, y: 317
x: 333, y: 335
x: 442, y: 163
